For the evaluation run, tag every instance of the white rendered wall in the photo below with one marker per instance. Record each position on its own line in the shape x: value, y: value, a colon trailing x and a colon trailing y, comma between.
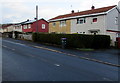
x: 119, y: 18
x: 111, y: 25
x: 19, y: 28
x: 100, y: 24
x: 110, y: 20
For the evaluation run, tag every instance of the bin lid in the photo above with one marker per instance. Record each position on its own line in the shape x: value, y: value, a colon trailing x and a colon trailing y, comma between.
x: 63, y: 38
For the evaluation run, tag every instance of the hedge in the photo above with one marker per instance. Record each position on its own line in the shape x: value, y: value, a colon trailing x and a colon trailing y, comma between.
x: 74, y: 40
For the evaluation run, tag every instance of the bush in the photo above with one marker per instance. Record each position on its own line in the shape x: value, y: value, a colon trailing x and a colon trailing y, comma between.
x: 74, y: 40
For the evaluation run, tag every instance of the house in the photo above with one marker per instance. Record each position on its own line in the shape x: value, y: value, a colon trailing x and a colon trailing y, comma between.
x: 1, y: 29
x: 6, y: 30
x: 10, y: 28
x: 95, y: 21
x: 18, y: 27
x: 15, y: 29
x: 35, y: 26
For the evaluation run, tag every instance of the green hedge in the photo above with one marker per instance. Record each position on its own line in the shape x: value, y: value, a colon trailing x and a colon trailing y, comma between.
x: 74, y: 40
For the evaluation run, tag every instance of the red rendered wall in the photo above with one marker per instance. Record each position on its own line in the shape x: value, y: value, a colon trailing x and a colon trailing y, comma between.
x: 26, y: 30
x: 40, y: 22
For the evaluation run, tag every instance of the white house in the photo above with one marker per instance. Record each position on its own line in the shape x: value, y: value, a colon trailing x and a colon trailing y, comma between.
x: 119, y: 17
x: 1, y: 30
x: 10, y: 28
x: 6, y: 28
x: 102, y: 21
x: 17, y: 27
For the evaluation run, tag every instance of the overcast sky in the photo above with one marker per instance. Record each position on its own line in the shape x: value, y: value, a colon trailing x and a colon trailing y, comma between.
x: 13, y: 11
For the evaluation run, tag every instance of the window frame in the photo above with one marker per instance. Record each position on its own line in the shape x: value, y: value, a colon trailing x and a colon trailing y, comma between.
x: 43, y: 26
x: 94, y: 20
x: 25, y: 26
x: 29, y: 26
x: 63, y: 23
x: 81, y: 20
x: 116, y: 20
x: 53, y: 24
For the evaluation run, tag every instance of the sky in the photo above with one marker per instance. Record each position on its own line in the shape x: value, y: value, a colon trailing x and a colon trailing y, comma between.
x: 15, y: 11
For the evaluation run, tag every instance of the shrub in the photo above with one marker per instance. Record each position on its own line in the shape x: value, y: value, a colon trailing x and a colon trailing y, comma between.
x: 74, y: 40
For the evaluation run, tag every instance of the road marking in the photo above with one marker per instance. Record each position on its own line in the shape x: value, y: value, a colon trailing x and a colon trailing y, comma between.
x: 13, y: 49
x: 15, y: 43
x: 57, y: 65
x: 106, y: 79
x: 4, y: 46
x: 43, y: 60
x: 8, y: 47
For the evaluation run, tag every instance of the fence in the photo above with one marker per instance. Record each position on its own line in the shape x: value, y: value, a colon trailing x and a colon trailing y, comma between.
x: 25, y: 36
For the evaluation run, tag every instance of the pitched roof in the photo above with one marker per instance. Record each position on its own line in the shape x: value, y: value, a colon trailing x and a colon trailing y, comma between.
x: 31, y: 21
x: 5, y: 25
x: 93, y: 11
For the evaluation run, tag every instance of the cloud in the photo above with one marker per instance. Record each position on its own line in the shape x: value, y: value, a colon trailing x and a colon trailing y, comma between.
x: 16, y: 11
x: 20, y: 10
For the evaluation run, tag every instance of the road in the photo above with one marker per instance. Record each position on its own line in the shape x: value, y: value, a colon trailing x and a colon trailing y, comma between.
x: 22, y: 62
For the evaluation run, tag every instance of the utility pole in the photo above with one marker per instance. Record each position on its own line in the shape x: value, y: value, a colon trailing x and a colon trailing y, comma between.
x: 36, y: 18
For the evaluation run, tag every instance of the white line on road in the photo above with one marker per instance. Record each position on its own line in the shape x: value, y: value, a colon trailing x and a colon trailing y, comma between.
x: 13, y: 49
x: 57, y: 65
x: 8, y: 47
x: 4, y: 46
x: 106, y: 79
x: 15, y: 43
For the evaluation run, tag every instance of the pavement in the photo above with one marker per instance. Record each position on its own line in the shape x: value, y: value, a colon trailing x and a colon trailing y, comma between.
x: 28, y: 61
x: 105, y: 56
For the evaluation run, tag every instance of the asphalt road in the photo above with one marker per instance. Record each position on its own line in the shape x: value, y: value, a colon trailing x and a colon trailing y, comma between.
x: 21, y: 62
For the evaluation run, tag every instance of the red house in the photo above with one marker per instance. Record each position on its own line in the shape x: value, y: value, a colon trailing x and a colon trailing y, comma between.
x: 35, y: 26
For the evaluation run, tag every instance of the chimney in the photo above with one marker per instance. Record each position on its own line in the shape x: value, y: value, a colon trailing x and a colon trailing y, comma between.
x: 72, y: 11
x: 27, y: 19
x: 93, y: 7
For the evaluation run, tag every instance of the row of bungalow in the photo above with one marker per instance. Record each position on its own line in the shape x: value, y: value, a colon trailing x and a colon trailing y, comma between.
x: 29, y: 26
x: 103, y: 21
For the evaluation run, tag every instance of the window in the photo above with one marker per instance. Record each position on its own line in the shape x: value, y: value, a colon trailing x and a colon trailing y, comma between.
x: 94, y: 19
x: 54, y: 24
x: 81, y: 20
x: 62, y: 23
x: 29, y: 26
x: 25, y: 26
x: 43, y: 26
x: 116, y: 20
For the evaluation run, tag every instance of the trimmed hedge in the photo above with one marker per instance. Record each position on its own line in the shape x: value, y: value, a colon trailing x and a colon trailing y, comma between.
x: 74, y: 40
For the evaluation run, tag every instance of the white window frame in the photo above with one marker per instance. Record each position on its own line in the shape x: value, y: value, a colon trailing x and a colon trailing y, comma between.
x: 63, y: 23
x: 43, y: 26
x: 29, y: 26
x: 95, y: 18
x: 25, y: 26
x: 81, y: 20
